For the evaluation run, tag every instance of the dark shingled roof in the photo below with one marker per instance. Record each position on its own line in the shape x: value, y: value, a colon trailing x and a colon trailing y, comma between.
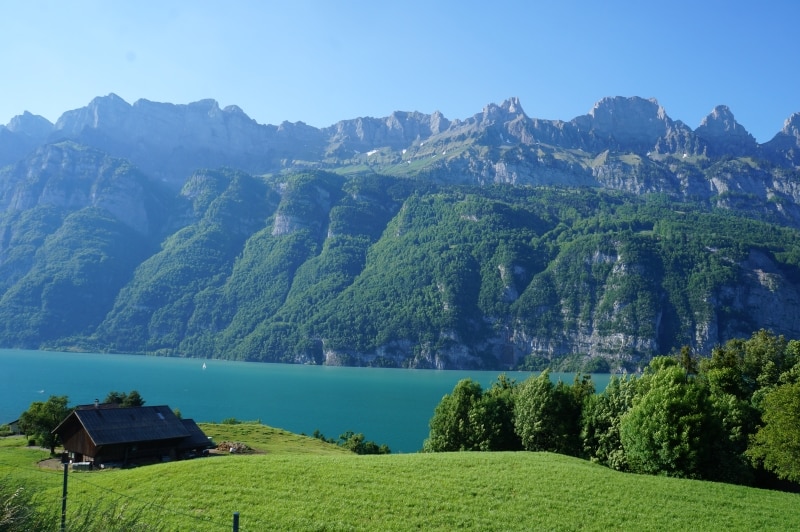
x: 106, y: 426
x: 197, y: 438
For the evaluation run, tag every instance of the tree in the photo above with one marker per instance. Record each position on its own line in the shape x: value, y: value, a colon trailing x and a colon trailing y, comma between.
x: 776, y: 444
x: 687, y: 360
x: 42, y: 417
x: 739, y: 375
x: 749, y: 368
x: 357, y: 444
x: 470, y: 419
x: 547, y: 415
x: 670, y: 427
x: 731, y: 398
x: 124, y: 399
x: 600, y: 422
x: 451, y: 427
x: 497, y: 407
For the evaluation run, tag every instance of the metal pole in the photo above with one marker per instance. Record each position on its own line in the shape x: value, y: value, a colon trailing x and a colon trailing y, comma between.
x: 64, y: 500
x: 235, y: 521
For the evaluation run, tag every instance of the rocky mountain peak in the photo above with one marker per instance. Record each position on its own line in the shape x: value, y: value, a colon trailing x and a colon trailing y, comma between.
x: 512, y: 106
x: 721, y: 119
x: 785, y: 145
x: 104, y: 111
x: 494, y: 115
x: 438, y: 123
x: 724, y: 135
x: 792, y: 126
x: 235, y: 110
x: 109, y: 105
x: 630, y: 123
x: 34, y: 126
x: 722, y: 115
x: 207, y: 106
x: 612, y: 109
x: 169, y: 141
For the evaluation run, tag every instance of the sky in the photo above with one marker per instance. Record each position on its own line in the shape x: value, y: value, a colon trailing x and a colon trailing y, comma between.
x: 319, y: 62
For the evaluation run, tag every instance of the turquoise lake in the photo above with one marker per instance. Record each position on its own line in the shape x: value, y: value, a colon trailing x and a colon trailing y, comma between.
x: 390, y: 406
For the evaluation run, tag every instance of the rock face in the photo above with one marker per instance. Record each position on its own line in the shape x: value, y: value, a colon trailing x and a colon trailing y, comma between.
x: 397, y: 131
x: 785, y: 146
x: 624, y: 124
x: 181, y: 178
x: 69, y: 177
x: 723, y: 135
x: 34, y: 126
x: 22, y: 135
x: 169, y: 141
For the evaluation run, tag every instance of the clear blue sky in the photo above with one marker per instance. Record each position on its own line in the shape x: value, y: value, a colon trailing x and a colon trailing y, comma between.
x: 323, y: 61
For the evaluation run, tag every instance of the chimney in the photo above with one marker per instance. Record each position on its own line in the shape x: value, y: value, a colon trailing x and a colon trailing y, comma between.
x: 96, y: 403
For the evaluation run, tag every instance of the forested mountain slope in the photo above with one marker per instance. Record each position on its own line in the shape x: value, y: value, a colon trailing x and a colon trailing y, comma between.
x: 496, y: 242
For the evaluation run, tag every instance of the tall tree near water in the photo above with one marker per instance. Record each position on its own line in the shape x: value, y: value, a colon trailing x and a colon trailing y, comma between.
x: 547, y: 416
x: 600, y: 422
x: 670, y: 429
x: 42, y: 417
x: 451, y: 427
x: 470, y: 419
x: 776, y: 444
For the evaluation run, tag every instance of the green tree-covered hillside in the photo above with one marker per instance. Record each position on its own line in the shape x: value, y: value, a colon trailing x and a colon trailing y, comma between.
x: 369, y: 269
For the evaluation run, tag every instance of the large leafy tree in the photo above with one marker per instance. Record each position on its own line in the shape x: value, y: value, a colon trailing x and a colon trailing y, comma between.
x: 470, y: 419
x: 547, y: 415
x: 600, y: 422
x: 776, y: 444
x: 497, y: 405
x: 42, y: 417
x: 670, y: 429
x: 451, y: 427
x: 739, y: 375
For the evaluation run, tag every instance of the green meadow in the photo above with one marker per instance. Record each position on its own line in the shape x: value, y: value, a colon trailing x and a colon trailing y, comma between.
x: 293, y: 482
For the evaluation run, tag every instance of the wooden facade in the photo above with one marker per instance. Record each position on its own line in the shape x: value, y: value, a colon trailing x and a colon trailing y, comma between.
x: 109, y: 434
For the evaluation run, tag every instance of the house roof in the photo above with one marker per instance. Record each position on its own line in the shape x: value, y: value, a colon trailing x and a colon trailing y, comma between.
x: 197, y: 438
x: 106, y: 426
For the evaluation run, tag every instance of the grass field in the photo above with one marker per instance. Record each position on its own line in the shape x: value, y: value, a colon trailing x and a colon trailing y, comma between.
x: 289, y: 486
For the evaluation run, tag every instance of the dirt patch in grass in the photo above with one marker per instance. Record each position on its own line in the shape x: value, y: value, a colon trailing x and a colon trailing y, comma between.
x: 51, y: 463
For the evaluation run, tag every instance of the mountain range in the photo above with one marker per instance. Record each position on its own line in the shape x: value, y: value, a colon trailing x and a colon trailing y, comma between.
x: 498, y: 241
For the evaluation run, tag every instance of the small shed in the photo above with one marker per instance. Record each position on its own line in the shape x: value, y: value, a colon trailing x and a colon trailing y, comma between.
x: 13, y: 426
x: 110, y: 434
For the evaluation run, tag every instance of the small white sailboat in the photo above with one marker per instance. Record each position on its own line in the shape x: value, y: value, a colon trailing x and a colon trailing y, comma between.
x: 204, y: 365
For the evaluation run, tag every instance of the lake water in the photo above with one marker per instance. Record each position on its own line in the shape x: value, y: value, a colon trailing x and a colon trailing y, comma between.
x: 391, y: 406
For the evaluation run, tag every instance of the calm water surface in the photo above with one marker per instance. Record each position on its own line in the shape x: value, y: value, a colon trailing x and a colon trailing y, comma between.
x: 389, y: 406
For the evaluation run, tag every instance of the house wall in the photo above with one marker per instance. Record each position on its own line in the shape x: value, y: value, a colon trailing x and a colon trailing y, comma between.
x: 127, y: 453
x: 75, y: 440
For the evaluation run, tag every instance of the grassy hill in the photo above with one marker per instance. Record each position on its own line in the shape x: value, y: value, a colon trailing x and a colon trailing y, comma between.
x: 298, y: 483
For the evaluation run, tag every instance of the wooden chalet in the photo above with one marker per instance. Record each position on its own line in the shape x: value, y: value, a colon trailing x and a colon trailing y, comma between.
x: 109, y: 434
